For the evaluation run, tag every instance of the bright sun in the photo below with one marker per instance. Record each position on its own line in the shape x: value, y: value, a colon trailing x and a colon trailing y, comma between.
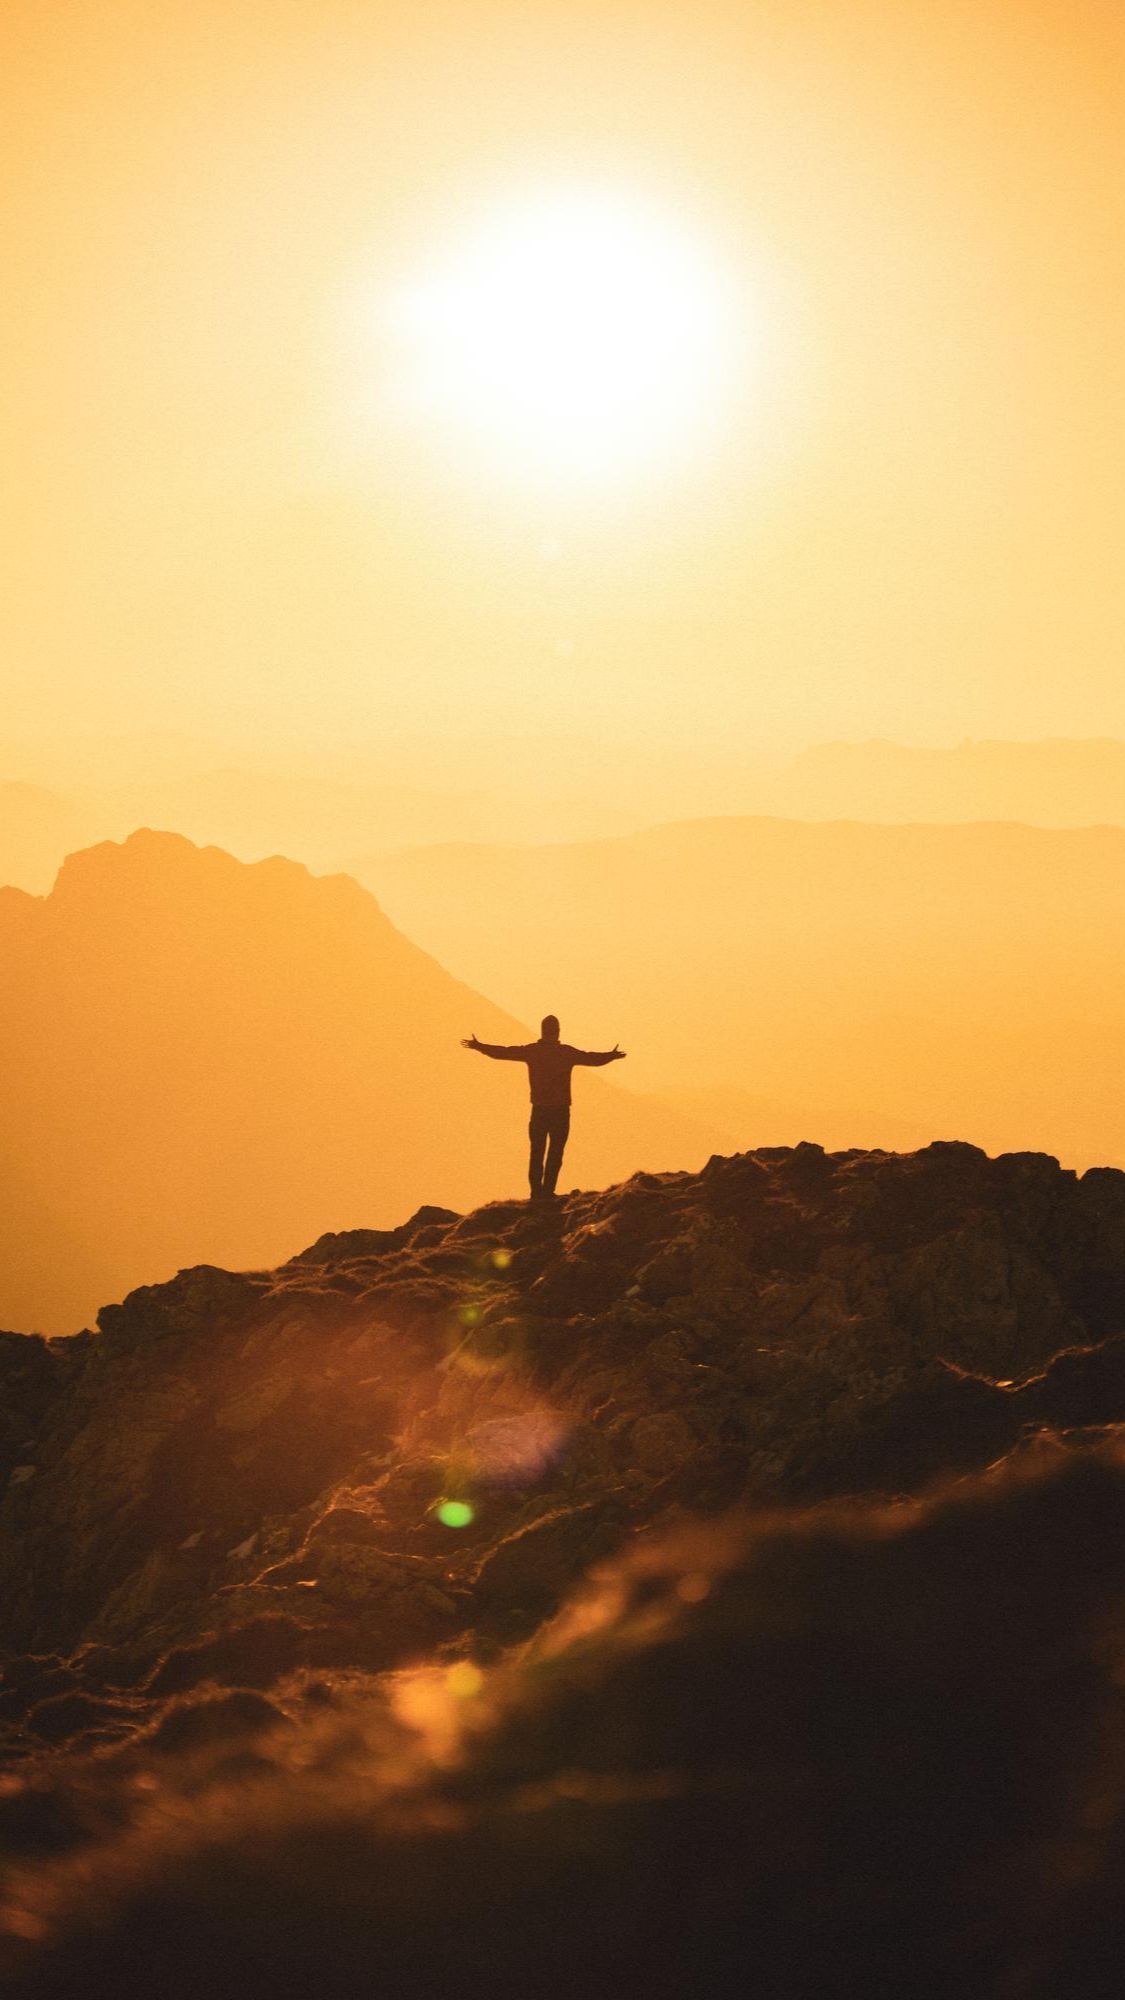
x: 572, y: 334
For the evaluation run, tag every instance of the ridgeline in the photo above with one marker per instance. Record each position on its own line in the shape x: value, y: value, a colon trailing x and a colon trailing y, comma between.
x: 818, y: 1455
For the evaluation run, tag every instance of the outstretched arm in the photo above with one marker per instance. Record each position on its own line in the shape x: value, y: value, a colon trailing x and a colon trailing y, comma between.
x: 594, y: 1058
x: 496, y: 1050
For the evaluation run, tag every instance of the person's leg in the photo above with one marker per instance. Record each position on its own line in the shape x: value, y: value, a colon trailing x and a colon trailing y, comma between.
x: 559, y: 1129
x: 537, y: 1133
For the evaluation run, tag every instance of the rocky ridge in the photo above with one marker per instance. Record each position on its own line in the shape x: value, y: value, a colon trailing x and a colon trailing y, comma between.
x: 255, y: 1506
x: 268, y: 1453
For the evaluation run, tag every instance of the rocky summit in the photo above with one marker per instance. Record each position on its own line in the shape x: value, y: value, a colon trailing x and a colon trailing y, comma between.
x: 712, y: 1582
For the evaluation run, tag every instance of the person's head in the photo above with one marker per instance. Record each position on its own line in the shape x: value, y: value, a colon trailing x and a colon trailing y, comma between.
x: 549, y: 1028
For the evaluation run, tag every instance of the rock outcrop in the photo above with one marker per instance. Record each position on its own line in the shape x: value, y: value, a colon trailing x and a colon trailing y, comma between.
x: 273, y: 1450
x: 330, y: 1512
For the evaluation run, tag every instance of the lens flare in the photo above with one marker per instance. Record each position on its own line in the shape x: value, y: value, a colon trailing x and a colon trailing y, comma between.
x: 454, y: 1513
x: 464, y: 1680
x: 515, y: 1448
x: 693, y: 1588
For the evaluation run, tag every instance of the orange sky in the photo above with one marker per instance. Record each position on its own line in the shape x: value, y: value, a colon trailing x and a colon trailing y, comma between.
x: 909, y: 526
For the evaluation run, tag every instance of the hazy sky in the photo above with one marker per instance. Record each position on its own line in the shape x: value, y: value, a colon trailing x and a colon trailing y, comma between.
x: 899, y: 514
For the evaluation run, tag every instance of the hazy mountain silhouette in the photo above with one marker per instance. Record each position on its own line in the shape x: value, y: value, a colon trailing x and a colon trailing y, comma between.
x: 206, y: 1059
x: 252, y: 814
x: 328, y: 810
x: 927, y: 979
x: 312, y: 815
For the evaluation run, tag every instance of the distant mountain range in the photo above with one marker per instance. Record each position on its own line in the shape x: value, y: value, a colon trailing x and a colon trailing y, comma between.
x: 206, y: 1061
x: 325, y: 817
x: 252, y: 814
x: 1056, y: 782
x: 841, y: 982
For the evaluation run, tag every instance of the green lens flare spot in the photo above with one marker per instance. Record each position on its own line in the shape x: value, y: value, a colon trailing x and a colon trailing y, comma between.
x: 454, y: 1513
x: 501, y: 1259
x: 468, y: 1315
x: 464, y: 1680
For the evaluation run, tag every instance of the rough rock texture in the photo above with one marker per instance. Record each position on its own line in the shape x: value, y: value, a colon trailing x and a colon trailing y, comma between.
x: 263, y: 1525
x: 784, y: 1326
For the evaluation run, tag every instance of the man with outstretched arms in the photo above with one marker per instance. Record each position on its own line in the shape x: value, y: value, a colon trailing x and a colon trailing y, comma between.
x: 549, y: 1063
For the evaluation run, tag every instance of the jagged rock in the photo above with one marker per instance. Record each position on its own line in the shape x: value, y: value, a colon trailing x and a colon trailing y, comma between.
x: 257, y: 1603
x: 534, y: 1566
x: 349, y: 1574
x: 344, y: 1524
x: 667, y: 1275
x: 249, y: 1410
x: 1082, y: 1385
x: 787, y: 1325
x: 662, y: 1443
x: 195, y: 1725
x: 339, y: 1247
x: 63, y: 1716
x: 31, y: 1372
x: 254, y: 1654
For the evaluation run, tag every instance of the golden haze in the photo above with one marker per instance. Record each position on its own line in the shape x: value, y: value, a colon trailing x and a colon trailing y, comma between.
x: 256, y: 594
x: 908, y: 526
x: 208, y: 1063
x: 849, y: 984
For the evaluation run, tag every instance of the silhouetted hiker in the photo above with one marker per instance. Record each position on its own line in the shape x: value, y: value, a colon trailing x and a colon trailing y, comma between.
x: 549, y: 1063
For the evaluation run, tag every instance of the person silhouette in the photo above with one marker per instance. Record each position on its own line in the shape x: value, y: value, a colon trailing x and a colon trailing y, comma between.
x: 549, y: 1064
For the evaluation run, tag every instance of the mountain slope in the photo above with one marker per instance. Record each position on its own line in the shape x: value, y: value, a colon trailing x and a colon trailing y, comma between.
x: 785, y: 1325
x: 209, y: 1059
x: 267, y: 1701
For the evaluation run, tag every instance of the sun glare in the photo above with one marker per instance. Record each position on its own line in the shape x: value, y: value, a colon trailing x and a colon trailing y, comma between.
x: 574, y: 333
